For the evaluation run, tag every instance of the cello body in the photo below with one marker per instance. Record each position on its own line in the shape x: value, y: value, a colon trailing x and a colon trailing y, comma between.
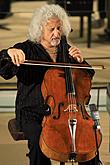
x: 55, y: 139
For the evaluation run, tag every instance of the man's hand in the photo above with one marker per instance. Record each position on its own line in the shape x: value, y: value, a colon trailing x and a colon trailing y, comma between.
x: 17, y: 56
x: 76, y: 54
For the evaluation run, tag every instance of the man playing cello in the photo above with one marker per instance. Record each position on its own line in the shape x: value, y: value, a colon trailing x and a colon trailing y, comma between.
x: 47, y: 26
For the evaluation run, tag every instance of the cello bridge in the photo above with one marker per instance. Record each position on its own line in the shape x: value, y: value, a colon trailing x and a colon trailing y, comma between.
x: 71, y: 108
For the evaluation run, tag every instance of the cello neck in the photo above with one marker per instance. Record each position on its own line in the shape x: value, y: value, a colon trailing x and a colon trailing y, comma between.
x: 70, y: 89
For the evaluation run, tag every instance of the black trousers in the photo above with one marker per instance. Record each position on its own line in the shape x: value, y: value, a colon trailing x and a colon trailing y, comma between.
x: 32, y: 130
x: 94, y: 161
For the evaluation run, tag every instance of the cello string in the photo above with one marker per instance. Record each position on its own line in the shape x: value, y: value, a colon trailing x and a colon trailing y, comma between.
x: 69, y: 90
x: 73, y: 94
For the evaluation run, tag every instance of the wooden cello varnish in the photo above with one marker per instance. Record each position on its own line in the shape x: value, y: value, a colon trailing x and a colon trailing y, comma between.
x: 66, y: 91
x: 55, y: 139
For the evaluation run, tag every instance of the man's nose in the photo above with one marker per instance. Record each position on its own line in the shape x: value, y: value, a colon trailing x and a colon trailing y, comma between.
x: 56, y: 32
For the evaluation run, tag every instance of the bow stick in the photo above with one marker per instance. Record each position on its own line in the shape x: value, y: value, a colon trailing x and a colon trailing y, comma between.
x: 63, y: 65
x: 97, y: 58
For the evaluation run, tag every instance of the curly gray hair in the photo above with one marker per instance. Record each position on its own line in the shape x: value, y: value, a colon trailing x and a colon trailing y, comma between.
x: 41, y: 16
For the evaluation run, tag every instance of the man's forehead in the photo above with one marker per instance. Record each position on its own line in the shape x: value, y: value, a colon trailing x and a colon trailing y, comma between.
x: 54, y: 20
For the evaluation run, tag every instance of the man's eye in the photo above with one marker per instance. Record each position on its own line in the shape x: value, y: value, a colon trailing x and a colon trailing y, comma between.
x: 52, y: 29
x: 59, y: 28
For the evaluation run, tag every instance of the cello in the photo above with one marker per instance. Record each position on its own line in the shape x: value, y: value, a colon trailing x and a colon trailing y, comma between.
x: 67, y: 131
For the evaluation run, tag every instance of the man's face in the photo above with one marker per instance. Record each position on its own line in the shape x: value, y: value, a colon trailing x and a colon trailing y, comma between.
x: 52, y: 31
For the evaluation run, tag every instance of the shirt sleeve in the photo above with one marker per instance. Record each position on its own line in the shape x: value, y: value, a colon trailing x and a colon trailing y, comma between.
x: 7, y: 68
